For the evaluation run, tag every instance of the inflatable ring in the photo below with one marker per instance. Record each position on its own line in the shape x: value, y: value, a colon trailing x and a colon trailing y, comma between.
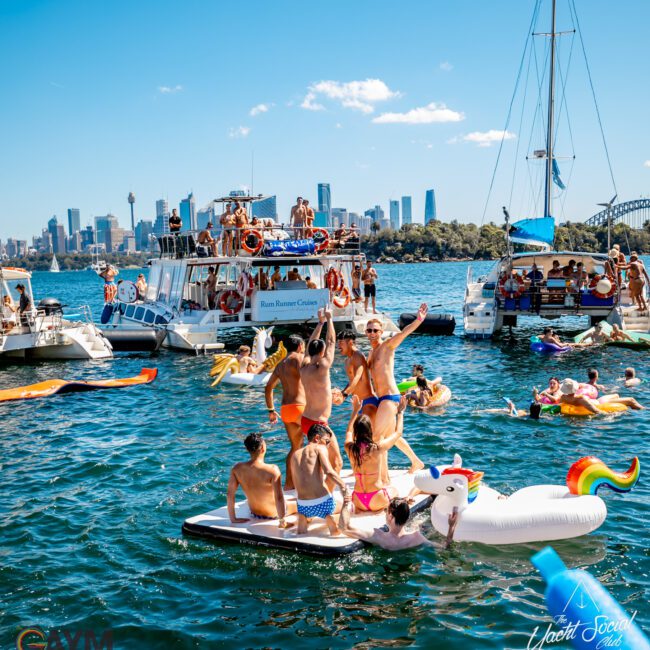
x: 537, y: 345
x: 334, y: 280
x: 594, y: 283
x: 571, y: 409
x: 245, y: 279
x: 588, y: 390
x: 252, y: 240
x: 231, y: 301
x: 342, y: 298
x: 322, y: 240
x: 521, y: 287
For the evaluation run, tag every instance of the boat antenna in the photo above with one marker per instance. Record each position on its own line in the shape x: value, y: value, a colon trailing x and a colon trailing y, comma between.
x: 507, y: 216
x: 549, y: 133
x: 608, y: 207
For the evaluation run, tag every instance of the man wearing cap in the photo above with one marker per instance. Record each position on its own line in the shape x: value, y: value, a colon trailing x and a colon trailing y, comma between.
x: 206, y: 239
x: 25, y: 303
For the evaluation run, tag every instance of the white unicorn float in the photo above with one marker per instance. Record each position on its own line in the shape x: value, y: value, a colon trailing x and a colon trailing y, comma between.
x: 226, y: 366
x: 469, y: 511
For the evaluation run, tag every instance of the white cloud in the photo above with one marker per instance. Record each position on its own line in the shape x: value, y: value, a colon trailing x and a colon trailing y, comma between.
x: 428, y: 114
x: 358, y: 95
x: 56, y: 85
x: 646, y: 163
x: 446, y: 66
x: 339, y: 125
x: 239, y: 132
x: 487, y: 138
x: 260, y: 108
x: 168, y: 90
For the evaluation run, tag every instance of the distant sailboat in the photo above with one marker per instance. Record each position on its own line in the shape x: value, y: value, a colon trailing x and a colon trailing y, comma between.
x: 54, y: 267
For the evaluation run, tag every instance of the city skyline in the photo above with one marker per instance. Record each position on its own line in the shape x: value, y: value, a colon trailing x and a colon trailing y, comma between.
x: 373, y: 122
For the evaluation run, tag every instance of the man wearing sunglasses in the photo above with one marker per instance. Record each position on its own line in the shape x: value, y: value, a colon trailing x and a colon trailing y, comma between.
x: 381, y: 362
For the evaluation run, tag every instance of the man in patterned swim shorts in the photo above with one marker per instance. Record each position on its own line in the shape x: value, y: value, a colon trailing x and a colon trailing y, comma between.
x: 310, y: 467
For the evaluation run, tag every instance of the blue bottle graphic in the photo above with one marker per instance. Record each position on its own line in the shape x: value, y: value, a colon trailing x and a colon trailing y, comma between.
x: 583, y: 610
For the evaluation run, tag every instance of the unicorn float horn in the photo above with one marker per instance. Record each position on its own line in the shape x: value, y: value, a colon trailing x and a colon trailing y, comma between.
x: 589, y: 474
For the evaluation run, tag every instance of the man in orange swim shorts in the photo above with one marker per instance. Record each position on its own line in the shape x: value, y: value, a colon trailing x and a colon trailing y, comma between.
x: 287, y: 372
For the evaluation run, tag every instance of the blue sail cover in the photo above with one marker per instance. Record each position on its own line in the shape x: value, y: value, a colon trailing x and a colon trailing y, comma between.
x: 536, y: 232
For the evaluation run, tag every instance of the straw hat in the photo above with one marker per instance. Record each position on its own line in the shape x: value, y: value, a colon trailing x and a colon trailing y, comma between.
x: 569, y: 386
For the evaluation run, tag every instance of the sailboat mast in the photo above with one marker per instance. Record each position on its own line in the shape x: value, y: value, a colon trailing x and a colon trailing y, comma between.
x: 549, y: 133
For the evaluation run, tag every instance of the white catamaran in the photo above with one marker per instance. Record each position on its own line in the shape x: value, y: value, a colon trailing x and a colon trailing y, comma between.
x: 274, y: 275
x: 546, y: 283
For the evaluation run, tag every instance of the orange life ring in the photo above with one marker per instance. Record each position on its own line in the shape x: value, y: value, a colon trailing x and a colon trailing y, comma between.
x: 321, y: 242
x: 521, y: 286
x: 334, y: 279
x: 342, y: 298
x: 226, y: 301
x: 241, y: 284
x: 594, y: 283
x: 259, y: 240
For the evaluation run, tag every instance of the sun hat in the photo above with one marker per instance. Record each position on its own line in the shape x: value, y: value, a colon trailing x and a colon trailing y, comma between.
x: 569, y: 386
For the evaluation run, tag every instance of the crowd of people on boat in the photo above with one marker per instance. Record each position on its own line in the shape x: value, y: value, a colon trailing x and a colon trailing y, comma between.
x: 314, y: 461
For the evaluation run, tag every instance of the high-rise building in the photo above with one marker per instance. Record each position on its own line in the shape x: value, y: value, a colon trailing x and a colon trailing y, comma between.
x: 207, y: 214
x: 57, y: 231
x: 265, y: 209
x: 376, y: 214
x: 103, y: 226
x: 406, y: 210
x: 161, y: 226
x: 188, y: 212
x: 74, y: 220
x: 74, y: 242
x: 142, y: 231
x: 325, y: 201
x: 321, y: 219
x: 339, y: 216
x: 429, y: 206
x: 87, y: 237
x: 394, y: 215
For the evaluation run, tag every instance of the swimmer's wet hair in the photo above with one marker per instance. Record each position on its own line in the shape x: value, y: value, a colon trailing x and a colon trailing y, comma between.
x: 316, y: 347
x: 535, y: 410
x: 421, y: 382
x: 418, y: 367
x: 399, y: 510
x: 630, y: 373
x: 318, y: 429
x: 294, y: 342
x: 347, y: 335
x: 253, y: 442
x: 592, y: 373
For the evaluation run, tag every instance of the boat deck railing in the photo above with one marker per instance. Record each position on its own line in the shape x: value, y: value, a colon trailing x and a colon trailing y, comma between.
x: 259, y: 241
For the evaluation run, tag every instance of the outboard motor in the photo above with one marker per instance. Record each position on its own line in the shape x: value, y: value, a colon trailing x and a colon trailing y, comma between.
x: 51, y: 306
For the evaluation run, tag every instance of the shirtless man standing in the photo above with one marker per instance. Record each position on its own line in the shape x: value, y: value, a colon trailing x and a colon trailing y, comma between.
x: 261, y: 483
x: 310, y: 215
x: 356, y: 283
x: 297, y: 218
x: 211, y: 287
x: 368, y: 277
x: 287, y: 372
x: 356, y: 368
x: 227, y: 221
x: 315, y: 375
x: 310, y: 467
x: 381, y: 362
x: 241, y: 221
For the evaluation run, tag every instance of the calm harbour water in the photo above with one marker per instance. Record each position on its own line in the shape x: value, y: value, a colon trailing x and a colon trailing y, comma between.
x: 95, y: 487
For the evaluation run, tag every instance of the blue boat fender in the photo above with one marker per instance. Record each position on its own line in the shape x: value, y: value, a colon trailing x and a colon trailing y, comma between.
x: 107, y: 312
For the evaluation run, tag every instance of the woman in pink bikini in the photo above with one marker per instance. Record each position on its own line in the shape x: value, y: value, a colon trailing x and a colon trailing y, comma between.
x: 368, y: 457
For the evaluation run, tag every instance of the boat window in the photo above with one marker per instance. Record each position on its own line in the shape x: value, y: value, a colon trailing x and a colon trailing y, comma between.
x: 222, y: 274
x: 149, y: 316
x: 129, y: 311
x: 160, y: 319
x: 139, y: 313
x: 177, y: 284
x: 152, y: 283
x: 165, y: 284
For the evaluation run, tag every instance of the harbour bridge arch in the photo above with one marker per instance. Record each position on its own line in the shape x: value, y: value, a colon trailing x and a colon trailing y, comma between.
x: 633, y: 213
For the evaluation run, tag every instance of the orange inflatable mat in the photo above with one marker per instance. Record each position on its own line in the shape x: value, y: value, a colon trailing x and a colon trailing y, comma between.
x: 60, y: 386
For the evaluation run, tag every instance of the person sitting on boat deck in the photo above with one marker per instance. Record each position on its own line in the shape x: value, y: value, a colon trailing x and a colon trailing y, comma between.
x: 246, y: 362
x: 211, y: 287
x: 276, y: 277
x: 8, y: 314
x: 569, y: 270
x: 241, y: 221
x: 617, y: 334
x: 555, y: 271
x: 352, y: 240
x: 294, y: 274
x: 580, y: 276
x: 550, y: 395
x: 310, y: 215
x: 339, y: 237
x: 356, y: 283
x: 297, y: 218
x: 175, y: 223
x: 110, y: 288
x: 315, y: 377
x: 597, y: 336
x: 356, y: 369
x: 227, y: 221
x: 141, y: 286
x: 311, y: 469
x: 287, y: 372
x: 570, y: 387
x: 630, y: 380
x: 261, y: 483
x: 393, y: 539
x: 310, y: 283
x: 206, y: 239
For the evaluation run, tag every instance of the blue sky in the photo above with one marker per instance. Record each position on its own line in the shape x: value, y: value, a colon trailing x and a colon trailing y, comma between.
x: 103, y: 98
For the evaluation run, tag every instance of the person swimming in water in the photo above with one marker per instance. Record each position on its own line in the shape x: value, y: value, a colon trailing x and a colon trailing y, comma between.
x: 596, y: 336
x: 510, y: 409
x: 631, y: 380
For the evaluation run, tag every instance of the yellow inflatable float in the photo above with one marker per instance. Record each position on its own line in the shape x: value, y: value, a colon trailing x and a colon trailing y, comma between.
x: 606, y: 407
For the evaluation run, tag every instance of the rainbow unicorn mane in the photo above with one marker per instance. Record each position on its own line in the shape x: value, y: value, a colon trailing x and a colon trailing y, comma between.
x: 589, y: 474
x: 473, y: 480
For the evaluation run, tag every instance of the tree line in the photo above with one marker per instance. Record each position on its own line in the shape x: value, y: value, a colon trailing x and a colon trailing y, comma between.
x: 75, y: 261
x: 452, y: 241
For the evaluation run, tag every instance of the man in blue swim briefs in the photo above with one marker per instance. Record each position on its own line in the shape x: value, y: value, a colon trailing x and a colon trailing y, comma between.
x: 356, y: 368
x: 310, y: 466
x: 381, y: 362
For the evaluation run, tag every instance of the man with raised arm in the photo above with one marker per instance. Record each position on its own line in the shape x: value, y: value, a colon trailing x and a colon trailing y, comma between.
x: 356, y: 368
x: 315, y: 376
x: 381, y: 362
x: 287, y: 372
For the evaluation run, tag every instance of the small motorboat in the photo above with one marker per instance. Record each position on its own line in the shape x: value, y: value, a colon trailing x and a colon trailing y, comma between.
x: 437, y: 324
